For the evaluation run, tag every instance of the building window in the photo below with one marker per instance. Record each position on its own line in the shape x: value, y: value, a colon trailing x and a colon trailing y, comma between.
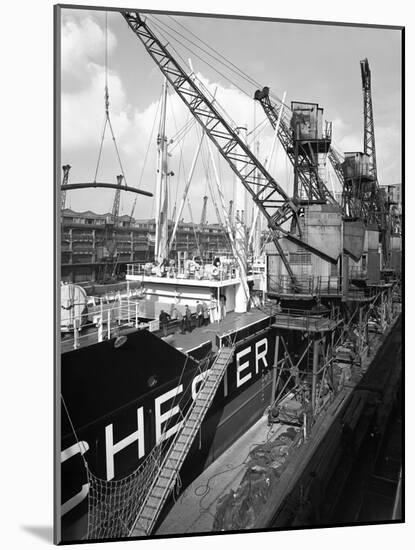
x: 300, y: 258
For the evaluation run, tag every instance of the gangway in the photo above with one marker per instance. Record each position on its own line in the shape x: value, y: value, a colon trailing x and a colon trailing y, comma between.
x: 168, y: 472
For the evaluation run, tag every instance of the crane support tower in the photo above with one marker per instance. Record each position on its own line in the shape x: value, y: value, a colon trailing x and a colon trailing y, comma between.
x: 302, y: 147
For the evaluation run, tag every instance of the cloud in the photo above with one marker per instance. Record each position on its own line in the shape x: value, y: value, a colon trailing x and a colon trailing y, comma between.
x: 135, y: 126
x: 83, y: 45
x: 83, y: 112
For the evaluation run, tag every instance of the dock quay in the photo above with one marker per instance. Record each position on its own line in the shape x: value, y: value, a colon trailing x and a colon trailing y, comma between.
x: 317, y: 468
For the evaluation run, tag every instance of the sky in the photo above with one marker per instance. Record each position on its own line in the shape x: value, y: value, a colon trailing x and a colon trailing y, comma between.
x: 308, y: 62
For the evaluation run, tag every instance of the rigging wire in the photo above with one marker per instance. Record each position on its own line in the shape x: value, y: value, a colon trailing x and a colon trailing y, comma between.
x: 201, y: 58
x: 219, y: 107
x: 145, y: 159
x: 154, y: 22
x: 227, y: 63
x: 181, y: 146
x: 233, y: 67
x: 107, y: 113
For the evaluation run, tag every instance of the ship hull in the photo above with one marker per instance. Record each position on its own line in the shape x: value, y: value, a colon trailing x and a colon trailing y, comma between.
x: 116, y: 402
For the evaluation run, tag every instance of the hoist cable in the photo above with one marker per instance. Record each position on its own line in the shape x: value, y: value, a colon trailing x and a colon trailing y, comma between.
x: 235, y: 68
x: 107, y: 114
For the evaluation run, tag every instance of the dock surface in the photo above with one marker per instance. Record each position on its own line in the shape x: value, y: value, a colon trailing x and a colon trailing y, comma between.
x: 194, y: 510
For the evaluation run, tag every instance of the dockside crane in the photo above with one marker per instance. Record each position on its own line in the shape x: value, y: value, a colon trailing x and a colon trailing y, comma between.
x: 110, y: 236
x: 301, y: 153
x: 369, y: 146
x: 116, y: 203
x: 65, y: 178
x: 275, y: 204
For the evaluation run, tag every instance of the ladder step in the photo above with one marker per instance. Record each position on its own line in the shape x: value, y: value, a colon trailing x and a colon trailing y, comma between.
x: 144, y: 518
x: 163, y: 481
x: 187, y: 430
x: 163, y: 475
x: 157, y: 494
x: 152, y: 502
x: 175, y: 454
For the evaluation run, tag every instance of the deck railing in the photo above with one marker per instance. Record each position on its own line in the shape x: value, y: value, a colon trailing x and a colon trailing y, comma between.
x: 305, y: 284
x: 105, y: 317
x: 224, y: 272
x: 307, y: 319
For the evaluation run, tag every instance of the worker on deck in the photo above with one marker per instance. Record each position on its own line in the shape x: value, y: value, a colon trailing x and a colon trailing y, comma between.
x: 199, y: 313
x: 164, y: 320
x: 222, y: 306
x: 176, y: 315
x: 205, y: 313
x: 187, y: 319
x: 214, y: 317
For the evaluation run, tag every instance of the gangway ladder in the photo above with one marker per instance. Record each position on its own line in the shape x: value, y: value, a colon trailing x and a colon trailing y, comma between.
x: 168, y: 472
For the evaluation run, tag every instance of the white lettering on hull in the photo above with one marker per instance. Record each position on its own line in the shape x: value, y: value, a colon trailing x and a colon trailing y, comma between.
x: 66, y: 454
x: 261, y: 356
x: 241, y: 367
x: 161, y: 418
x: 112, y: 449
x: 244, y: 371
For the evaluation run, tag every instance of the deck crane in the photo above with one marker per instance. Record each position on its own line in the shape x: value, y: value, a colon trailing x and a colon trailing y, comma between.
x: 376, y: 198
x: 116, y: 203
x: 204, y: 212
x: 275, y: 204
x: 110, y: 232
x: 369, y: 147
x: 65, y: 178
x: 300, y: 153
x: 376, y: 201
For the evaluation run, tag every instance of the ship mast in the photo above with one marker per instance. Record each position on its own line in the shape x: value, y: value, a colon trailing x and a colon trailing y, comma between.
x: 161, y: 250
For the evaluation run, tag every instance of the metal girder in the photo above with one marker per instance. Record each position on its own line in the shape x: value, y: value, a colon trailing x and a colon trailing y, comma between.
x: 307, y: 168
x: 336, y: 162
x: 72, y: 186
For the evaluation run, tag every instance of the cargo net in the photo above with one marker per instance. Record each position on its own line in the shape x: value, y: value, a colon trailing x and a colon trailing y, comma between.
x: 113, y: 505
